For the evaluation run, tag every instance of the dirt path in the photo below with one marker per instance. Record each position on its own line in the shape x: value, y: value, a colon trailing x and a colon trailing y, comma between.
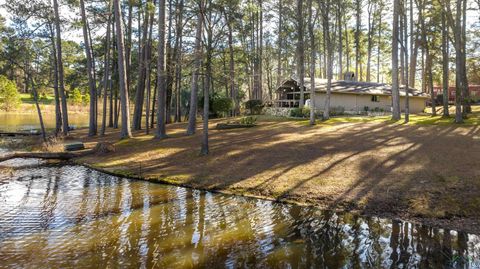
x: 428, y: 174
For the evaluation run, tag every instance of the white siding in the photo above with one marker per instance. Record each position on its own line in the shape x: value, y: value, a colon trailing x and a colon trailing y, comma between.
x: 357, y: 102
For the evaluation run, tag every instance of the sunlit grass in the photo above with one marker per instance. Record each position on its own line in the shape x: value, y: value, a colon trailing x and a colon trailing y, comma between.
x: 426, y: 118
x: 28, y: 99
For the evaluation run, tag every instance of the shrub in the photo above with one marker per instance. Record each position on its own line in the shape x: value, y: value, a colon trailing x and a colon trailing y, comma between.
x: 9, y: 96
x: 300, y: 112
x: 248, y: 120
x: 296, y: 112
x: 76, y: 97
x: 255, y: 106
x: 222, y: 105
x: 85, y: 99
x: 337, y: 110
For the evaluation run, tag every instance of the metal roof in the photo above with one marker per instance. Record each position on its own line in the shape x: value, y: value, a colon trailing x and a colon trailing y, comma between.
x: 351, y: 87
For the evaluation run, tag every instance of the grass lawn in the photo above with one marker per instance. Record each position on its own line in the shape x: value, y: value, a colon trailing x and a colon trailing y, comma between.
x: 425, y: 171
x: 415, y: 119
x: 26, y: 98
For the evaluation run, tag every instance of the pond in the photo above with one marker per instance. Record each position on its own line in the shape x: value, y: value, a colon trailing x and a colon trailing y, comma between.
x: 64, y: 216
x: 17, y: 122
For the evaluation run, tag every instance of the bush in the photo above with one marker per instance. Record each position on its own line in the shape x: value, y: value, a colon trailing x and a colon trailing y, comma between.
x: 9, y: 96
x: 300, y: 112
x: 222, y: 105
x: 337, y: 111
x: 86, y: 99
x: 255, y: 106
x: 76, y: 97
x: 248, y: 120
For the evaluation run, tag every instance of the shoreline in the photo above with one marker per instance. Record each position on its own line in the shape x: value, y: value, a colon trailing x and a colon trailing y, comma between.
x: 436, y: 223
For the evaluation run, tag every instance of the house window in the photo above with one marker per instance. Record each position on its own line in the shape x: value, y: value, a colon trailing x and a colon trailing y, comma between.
x: 375, y: 98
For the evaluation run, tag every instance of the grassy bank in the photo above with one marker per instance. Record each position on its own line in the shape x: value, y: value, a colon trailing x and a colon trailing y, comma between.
x: 420, y: 172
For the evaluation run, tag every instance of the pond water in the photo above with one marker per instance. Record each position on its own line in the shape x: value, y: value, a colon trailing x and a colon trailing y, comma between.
x: 13, y: 122
x: 64, y: 216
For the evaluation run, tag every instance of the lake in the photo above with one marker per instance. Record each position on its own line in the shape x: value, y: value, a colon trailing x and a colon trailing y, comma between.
x: 13, y: 122
x: 69, y: 216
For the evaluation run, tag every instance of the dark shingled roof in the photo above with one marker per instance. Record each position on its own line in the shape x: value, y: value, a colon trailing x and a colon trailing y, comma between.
x: 352, y: 87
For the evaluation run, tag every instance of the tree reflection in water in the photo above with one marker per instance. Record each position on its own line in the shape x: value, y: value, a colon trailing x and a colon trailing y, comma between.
x: 67, y: 216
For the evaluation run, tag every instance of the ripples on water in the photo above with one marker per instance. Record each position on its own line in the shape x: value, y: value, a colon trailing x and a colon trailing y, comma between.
x: 72, y: 216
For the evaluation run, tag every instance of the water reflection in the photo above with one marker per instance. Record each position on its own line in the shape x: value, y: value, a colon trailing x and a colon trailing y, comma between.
x: 71, y: 216
x: 15, y: 122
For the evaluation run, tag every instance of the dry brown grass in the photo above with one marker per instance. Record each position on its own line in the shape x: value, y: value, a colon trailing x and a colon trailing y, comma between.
x: 420, y: 172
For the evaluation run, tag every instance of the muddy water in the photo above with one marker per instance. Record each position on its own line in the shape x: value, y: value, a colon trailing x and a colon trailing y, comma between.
x: 73, y: 217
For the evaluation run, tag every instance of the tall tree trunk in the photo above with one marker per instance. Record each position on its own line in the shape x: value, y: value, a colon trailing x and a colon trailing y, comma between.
x: 178, y: 60
x: 92, y: 126
x: 456, y: 26
x: 280, y: 43
x: 379, y: 38
x: 170, y: 70
x: 233, y: 93
x: 206, y: 87
x: 148, y: 64
x: 466, y: 93
x: 430, y: 79
x: 300, y: 52
x: 60, y: 70
x: 39, y: 112
x: 428, y: 56
x: 413, y: 49
x: 129, y: 41
x: 58, y: 111
x: 371, y: 27
x: 140, y: 92
x: 313, y: 50
x: 445, y: 61
x: 358, y: 14
x: 402, y: 51
x: 405, y: 50
x: 347, y: 42
x: 106, y: 75
x: 122, y: 75
x: 395, y: 83
x: 340, y: 40
x: 154, y: 101
x: 192, y: 117
x: 161, y: 74
x: 329, y: 52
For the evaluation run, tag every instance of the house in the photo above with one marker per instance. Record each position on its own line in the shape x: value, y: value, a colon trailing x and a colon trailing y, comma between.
x: 473, y: 89
x: 351, y: 96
